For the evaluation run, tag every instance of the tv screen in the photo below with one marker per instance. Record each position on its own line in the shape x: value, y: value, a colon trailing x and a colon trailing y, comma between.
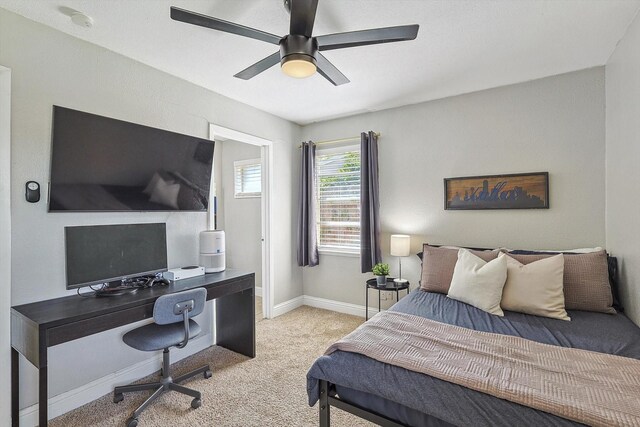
x: 101, y: 164
x: 106, y: 253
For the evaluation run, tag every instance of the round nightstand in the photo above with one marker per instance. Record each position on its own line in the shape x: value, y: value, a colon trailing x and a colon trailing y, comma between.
x: 389, y: 286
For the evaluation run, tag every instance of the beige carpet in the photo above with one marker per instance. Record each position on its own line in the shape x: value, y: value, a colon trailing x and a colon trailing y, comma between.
x: 269, y: 390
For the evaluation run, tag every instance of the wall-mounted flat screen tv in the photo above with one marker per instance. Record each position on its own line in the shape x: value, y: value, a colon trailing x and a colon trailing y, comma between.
x: 101, y: 164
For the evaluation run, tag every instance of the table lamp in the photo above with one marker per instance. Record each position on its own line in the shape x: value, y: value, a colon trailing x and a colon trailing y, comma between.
x: 400, y: 246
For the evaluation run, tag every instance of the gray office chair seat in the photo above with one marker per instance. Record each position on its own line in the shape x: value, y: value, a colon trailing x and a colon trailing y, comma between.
x: 154, y: 337
x: 172, y: 327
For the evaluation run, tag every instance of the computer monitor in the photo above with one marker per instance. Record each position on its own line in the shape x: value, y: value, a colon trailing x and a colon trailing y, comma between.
x: 99, y: 254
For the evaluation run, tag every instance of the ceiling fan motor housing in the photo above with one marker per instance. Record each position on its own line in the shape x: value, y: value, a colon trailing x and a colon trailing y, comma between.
x: 298, y: 47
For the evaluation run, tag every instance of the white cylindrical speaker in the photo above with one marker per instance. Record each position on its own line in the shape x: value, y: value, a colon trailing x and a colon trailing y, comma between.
x: 212, y: 263
x: 212, y: 251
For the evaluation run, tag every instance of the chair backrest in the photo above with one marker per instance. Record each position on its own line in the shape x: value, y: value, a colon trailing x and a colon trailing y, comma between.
x: 169, y: 308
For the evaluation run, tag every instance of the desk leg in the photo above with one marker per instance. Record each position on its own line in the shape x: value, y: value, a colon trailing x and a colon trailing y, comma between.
x: 236, y: 322
x: 43, y: 397
x: 15, y: 388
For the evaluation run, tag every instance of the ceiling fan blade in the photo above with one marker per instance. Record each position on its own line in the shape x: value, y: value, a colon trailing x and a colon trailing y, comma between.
x: 303, y: 15
x: 329, y: 71
x: 194, y: 18
x: 366, y: 37
x: 259, y: 67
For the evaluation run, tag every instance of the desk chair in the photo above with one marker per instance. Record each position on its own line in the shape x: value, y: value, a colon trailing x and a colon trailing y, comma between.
x: 173, y: 327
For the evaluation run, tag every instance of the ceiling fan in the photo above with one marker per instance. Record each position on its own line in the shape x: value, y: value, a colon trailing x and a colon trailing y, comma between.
x: 299, y: 53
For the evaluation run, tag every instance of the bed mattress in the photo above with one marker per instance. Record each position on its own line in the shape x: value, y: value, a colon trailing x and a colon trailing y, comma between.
x: 416, y: 399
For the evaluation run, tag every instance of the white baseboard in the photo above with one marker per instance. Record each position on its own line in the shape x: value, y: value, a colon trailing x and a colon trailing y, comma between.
x: 75, y: 398
x: 340, y: 307
x: 258, y: 291
x: 326, y: 304
x: 287, y: 306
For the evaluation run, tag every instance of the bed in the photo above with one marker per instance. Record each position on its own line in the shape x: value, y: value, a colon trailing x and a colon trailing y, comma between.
x: 393, y: 396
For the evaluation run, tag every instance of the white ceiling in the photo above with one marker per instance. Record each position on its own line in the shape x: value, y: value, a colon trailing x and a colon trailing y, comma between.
x: 462, y: 46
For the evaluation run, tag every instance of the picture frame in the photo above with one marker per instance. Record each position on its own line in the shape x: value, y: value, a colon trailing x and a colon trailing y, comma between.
x: 506, y: 191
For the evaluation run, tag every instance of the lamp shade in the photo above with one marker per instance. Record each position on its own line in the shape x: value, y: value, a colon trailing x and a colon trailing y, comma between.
x: 400, y: 245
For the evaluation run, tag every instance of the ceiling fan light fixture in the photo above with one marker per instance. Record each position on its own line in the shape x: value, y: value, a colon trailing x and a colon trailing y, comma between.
x: 298, y: 66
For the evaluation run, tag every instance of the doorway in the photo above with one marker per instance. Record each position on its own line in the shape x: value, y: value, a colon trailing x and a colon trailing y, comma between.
x: 5, y: 239
x: 238, y: 185
x: 247, y: 148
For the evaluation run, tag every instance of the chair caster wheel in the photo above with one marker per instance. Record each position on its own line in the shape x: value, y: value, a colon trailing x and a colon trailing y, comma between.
x: 195, y: 404
x: 118, y: 397
x: 207, y: 374
x: 132, y: 422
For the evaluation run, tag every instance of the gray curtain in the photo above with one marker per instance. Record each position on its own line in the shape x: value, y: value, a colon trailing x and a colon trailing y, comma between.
x: 307, y: 237
x: 370, y: 253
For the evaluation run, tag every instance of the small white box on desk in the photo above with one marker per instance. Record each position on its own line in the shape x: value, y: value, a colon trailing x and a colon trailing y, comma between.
x: 174, y: 274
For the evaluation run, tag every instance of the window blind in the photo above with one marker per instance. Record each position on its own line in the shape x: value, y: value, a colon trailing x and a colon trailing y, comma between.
x: 247, y: 178
x: 338, y: 192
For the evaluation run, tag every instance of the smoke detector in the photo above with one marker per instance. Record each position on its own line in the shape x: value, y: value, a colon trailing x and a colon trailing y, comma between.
x: 82, y: 20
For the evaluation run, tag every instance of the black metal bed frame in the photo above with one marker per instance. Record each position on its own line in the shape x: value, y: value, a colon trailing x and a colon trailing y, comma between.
x: 329, y: 398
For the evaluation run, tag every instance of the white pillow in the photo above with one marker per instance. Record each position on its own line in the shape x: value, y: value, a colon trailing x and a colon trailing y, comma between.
x: 535, y: 288
x: 479, y: 283
x: 165, y: 193
x: 154, y: 182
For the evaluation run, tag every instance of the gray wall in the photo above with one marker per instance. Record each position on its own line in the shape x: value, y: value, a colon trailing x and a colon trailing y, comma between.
x: 5, y: 238
x: 50, y: 67
x: 554, y: 124
x: 242, y: 221
x: 623, y: 161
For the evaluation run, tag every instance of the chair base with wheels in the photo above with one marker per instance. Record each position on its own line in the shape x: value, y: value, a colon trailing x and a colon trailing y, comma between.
x: 161, y: 336
x: 165, y: 383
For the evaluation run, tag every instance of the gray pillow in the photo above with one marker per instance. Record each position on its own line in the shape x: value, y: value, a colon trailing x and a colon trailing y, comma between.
x: 586, y: 280
x: 438, y: 264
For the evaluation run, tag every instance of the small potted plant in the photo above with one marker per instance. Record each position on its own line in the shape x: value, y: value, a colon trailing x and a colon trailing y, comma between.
x: 381, y: 271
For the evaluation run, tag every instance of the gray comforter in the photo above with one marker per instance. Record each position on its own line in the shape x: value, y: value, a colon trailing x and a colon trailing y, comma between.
x: 421, y: 400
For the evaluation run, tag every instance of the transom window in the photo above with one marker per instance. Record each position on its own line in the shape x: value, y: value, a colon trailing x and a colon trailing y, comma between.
x: 338, y: 193
x: 247, y: 178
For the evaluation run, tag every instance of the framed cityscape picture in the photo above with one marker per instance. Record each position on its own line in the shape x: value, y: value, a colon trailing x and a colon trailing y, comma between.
x: 513, y: 191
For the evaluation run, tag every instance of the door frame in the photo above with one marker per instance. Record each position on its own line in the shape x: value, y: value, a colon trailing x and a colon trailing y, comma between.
x: 5, y: 239
x: 266, y: 156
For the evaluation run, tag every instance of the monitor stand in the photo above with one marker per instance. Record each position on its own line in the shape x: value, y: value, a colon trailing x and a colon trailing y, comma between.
x: 116, y: 288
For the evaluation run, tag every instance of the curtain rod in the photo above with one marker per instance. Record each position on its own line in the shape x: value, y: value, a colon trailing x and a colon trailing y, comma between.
x: 335, y: 141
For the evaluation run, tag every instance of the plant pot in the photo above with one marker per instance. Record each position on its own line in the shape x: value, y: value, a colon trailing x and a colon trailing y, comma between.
x: 381, y: 280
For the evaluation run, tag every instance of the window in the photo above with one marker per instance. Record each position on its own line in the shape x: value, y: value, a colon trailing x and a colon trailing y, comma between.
x: 247, y: 178
x: 338, y: 192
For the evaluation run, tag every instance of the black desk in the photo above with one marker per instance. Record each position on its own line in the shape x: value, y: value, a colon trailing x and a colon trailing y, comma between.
x: 37, y: 326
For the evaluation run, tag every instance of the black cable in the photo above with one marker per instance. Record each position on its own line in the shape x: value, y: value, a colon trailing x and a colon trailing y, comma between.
x: 90, y: 294
x: 133, y: 284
